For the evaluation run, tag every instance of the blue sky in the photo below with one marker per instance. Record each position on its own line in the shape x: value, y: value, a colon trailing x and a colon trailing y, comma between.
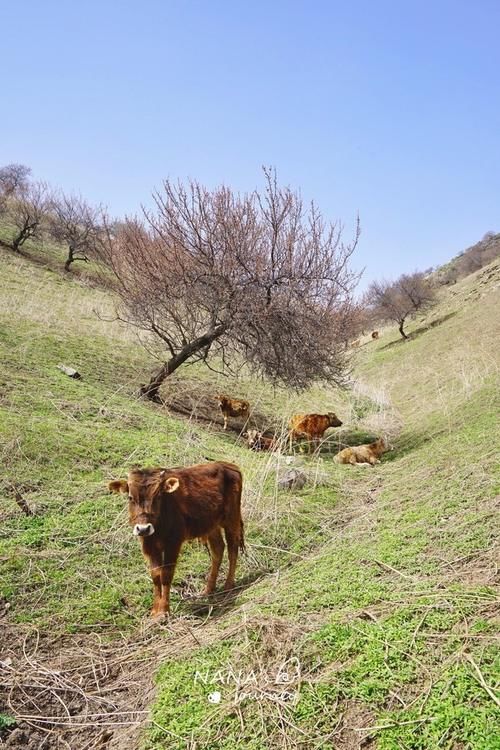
x: 388, y: 108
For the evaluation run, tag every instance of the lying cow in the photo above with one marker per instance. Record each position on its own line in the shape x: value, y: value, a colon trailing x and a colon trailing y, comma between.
x: 312, y: 427
x: 256, y: 441
x: 374, y: 334
x: 233, y: 407
x: 169, y: 506
x: 363, y: 454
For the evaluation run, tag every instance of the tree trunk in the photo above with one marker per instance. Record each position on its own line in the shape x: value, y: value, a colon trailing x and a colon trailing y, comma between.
x: 401, y: 331
x: 72, y: 250
x: 70, y: 258
x: 24, y: 234
x: 151, y: 390
x: 18, y: 241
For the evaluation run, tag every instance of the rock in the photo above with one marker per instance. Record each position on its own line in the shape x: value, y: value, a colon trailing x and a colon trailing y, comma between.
x: 293, y: 479
x: 70, y: 372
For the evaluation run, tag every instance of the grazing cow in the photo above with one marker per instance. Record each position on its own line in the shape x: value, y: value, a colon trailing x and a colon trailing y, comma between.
x: 375, y: 335
x: 368, y: 454
x: 170, y: 506
x: 312, y: 426
x: 233, y: 407
x: 256, y: 441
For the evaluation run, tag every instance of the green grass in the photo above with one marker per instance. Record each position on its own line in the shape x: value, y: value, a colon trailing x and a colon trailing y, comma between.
x: 392, y: 607
x: 380, y: 582
x: 6, y: 722
x: 62, y: 440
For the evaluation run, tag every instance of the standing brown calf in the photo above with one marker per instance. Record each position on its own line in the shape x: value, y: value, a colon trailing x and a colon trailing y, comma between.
x: 233, y: 407
x: 169, y: 506
x: 312, y: 426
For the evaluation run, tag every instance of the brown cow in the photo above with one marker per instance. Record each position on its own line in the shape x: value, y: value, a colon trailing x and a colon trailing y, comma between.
x: 374, y: 334
x: 312, y: 426
x: 256, y: 441
x: 232, y: 407
x: 169, y: 506
x: 363, y: 454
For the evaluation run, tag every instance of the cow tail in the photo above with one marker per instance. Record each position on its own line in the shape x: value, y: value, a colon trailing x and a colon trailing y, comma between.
x: 242, y: 538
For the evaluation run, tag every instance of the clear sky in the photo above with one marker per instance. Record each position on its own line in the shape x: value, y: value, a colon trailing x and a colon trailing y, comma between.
x: 389, y: 108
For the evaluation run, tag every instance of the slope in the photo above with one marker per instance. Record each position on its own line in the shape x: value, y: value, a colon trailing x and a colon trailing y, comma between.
x: 372, y: 592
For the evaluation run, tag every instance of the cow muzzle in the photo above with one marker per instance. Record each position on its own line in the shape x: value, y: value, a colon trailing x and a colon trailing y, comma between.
x: 143, y: 529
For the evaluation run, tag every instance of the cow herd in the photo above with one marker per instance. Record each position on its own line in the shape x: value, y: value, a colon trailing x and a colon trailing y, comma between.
x: 308, y: 427
x: 168, y: 507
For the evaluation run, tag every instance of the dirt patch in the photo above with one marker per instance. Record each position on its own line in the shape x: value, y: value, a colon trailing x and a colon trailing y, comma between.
x: 196, y: 400
x: 81, y: 693
x: 353, y: 733
x: 73, y: 693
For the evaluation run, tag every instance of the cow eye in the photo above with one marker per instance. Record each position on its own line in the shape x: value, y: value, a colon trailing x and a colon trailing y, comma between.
x: 131, y: 498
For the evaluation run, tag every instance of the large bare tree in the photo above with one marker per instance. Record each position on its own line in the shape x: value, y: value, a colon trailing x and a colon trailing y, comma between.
x: 400, y: 299
x: 217, y: 276
x: 74, y: 223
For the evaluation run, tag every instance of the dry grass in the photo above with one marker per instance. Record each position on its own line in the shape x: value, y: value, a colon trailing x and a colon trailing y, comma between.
x: 33, y: 294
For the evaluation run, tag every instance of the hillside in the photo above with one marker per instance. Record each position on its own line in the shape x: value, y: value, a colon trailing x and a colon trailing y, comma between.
x: 374, y: 591
x: 471, y: 259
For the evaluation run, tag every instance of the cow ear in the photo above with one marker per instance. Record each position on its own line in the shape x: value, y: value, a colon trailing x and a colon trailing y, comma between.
x: 171, y: 484
x: 118, y: 485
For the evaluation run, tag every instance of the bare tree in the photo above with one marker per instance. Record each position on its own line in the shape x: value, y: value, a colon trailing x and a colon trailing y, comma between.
x: 216, y: 276
x: 449, y: 275
x: 26, y: 212
x: 14, y: 178
x: 75, y: 223
x: 488, y: 236
x: 471, y: 259
x: 400, y: 299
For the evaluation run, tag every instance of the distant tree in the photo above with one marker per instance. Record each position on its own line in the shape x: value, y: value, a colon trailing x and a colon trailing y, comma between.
x: 74, y: 223
x: 491, y: 249
x: 14, y: 179
x: 449, y: 275
x: 217, y: 276
x: 361, y: 321
x: 400, y: 299
x: 472, y: 259
x: 26, y: 212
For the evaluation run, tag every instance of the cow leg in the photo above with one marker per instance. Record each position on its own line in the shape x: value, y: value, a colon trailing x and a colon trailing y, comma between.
x: 232, y: 542
x: 216, y: 544
x: 155, y: 563
x: 167, y: 571
x: 225, y: 421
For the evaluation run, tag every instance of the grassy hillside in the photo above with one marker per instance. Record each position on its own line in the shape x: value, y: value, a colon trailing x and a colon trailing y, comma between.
x: 470, y: 260
x: 373, y: 590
